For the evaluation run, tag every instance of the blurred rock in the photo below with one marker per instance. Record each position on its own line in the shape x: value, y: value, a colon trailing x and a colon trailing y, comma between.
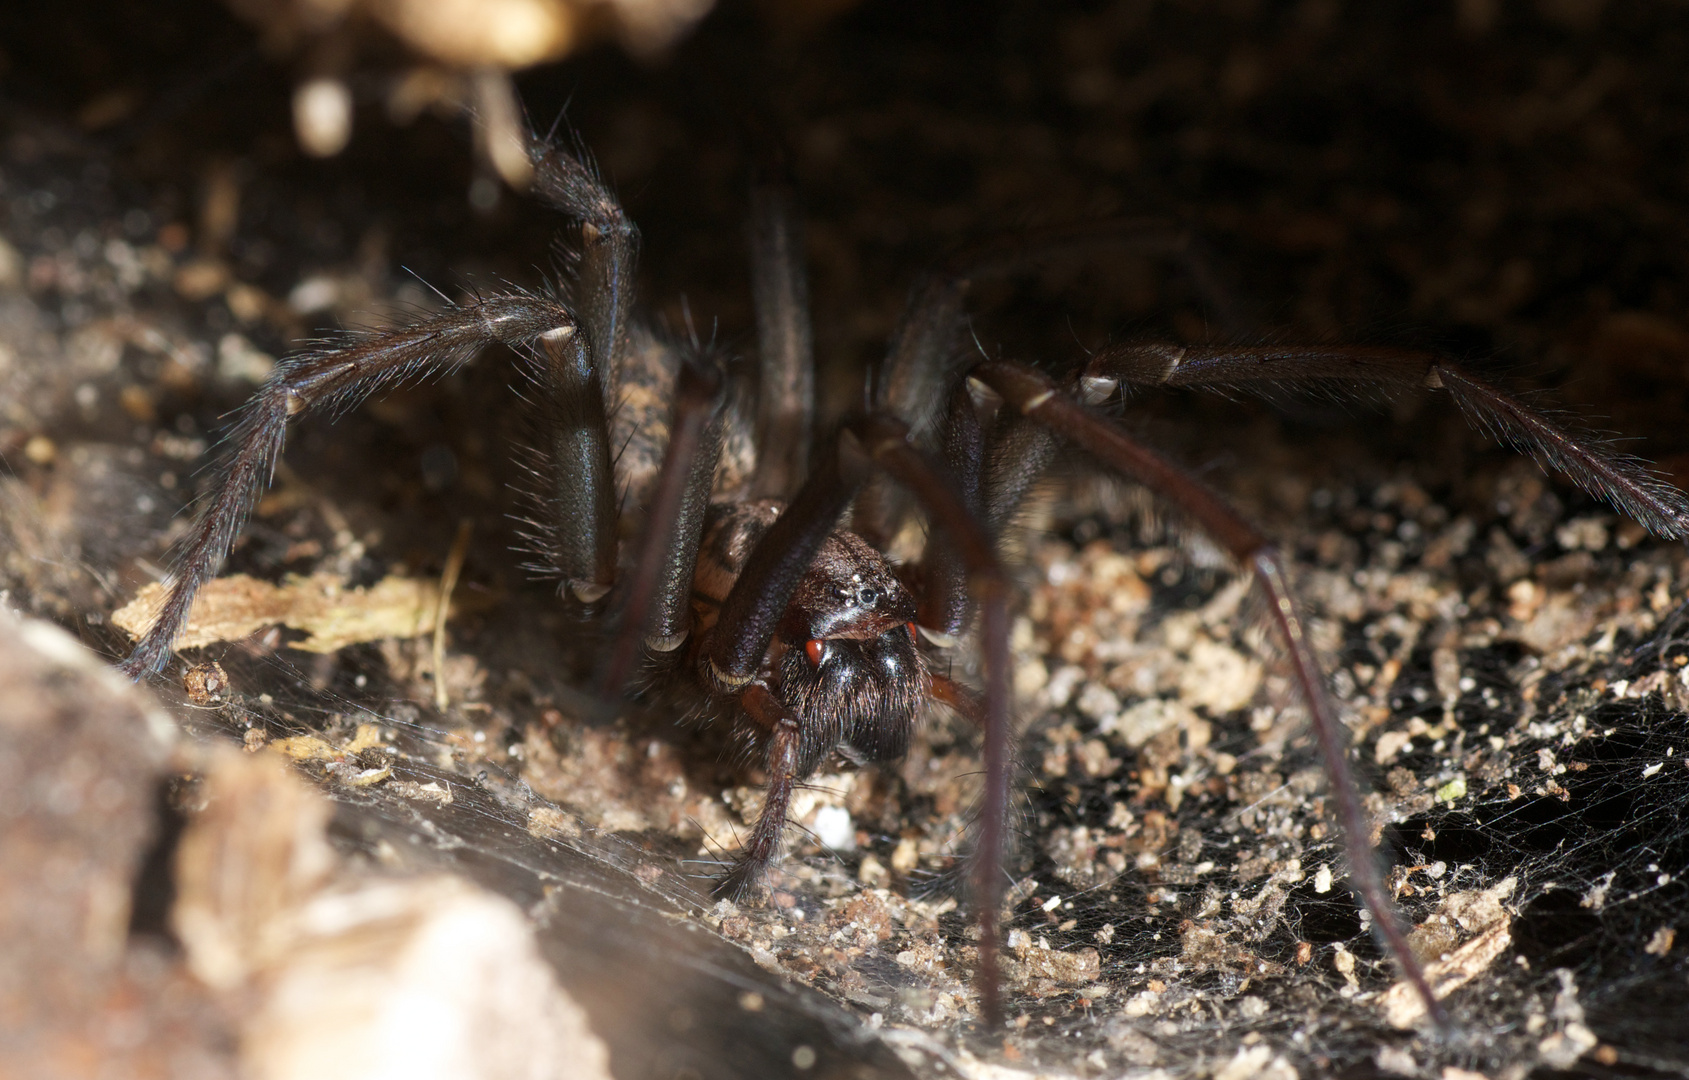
x: 342, y: 974
x: 82, y: 754
x: 309, y: 968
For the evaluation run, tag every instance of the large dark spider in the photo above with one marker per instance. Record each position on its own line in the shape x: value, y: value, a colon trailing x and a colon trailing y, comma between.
x: 798, y: 628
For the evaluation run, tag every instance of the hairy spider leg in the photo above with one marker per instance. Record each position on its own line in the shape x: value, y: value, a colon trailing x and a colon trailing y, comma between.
x: 732, y: 653
x: 339, y: 378
x: 1035, y: 395
x: 576, y: 509
x: 1018, y: 453
x: 992, y: 476
x: 573, y: 490
x: 1625, y: 483
x: 603, y: 266
x: 576, y: 532
x: 995, y: 470
x: 657, y: 609
x: 785, y: 421
x: 657, y: 612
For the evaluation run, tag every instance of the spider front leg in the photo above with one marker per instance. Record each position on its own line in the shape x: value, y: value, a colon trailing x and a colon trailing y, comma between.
x: 576, y: 534
x: 576, y: 531
x: 603, y: 266
x: 964, y: 534
x: 942, y: 576
x: 994, y: 471
x: 1034, y: 395
x: 574, y: 493
x: 337, y: 379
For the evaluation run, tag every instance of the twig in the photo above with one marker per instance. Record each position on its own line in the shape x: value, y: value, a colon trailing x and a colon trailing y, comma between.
x: 448, y: 582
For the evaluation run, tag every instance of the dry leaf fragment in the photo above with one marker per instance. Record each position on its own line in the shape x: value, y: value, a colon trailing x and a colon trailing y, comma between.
x: 235, y: 607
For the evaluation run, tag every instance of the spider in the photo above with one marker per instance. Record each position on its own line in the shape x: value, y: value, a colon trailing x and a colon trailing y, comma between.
x: 798, y: 628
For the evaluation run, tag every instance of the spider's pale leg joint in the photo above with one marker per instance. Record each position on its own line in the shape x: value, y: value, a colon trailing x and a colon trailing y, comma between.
x: 938, y: 638
x: 726, y: 681
x: 1036, y: 401
x: 1096, y: 389
x: 666, y: 644
x: 576, y: 494
x: 588, y: 592
x: 1151, y: 363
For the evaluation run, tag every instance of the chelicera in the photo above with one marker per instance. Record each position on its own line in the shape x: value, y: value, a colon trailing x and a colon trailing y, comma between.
x: 748, y: 583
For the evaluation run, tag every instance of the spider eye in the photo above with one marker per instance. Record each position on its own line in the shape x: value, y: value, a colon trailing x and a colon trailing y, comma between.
x: 816, y: 651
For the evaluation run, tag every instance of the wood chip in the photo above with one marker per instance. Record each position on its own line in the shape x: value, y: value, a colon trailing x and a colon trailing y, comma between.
x: 1403, y: 1007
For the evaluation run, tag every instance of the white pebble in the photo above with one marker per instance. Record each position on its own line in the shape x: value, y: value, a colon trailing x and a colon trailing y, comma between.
x: 834, y: 828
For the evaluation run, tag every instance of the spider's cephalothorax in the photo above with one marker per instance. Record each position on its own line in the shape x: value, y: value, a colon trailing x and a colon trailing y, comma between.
x: 844, y: 657
x: 796, y: 627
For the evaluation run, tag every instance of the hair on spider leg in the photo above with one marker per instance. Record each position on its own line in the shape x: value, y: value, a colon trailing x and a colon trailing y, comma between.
x: 741, y: 579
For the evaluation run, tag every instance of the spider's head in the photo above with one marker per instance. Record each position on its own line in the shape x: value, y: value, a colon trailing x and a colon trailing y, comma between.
x: 846, y: 657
